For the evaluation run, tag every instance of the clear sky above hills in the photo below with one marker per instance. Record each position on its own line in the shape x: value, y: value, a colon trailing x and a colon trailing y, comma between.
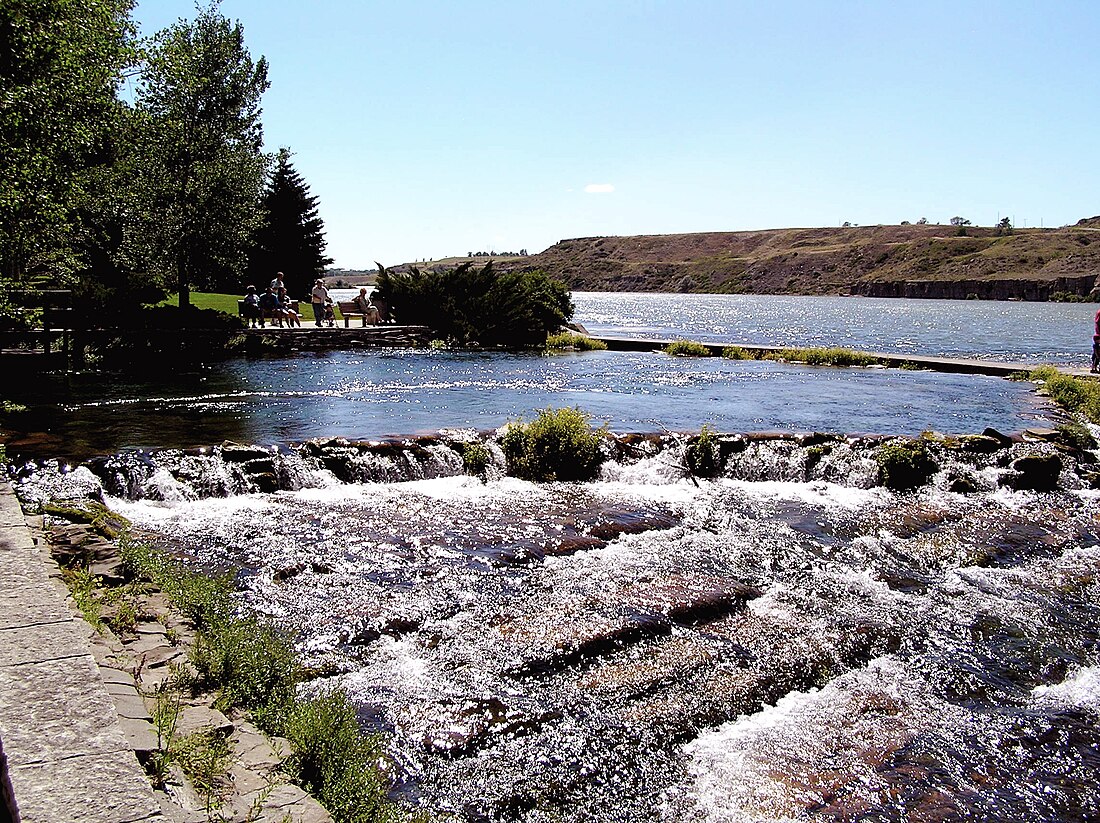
x: 433, y: 129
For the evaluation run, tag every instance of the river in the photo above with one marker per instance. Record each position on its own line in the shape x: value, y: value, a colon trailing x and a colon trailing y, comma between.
x: 787, y: 641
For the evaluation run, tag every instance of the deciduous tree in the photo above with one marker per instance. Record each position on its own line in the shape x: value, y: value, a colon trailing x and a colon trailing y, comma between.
x: 200, y: 166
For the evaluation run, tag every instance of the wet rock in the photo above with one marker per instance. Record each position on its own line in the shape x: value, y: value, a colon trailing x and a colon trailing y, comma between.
x: 981, y: 443
x: 961, y: 482
x: 1034, y: 472
x: 286, y: 572
x: 996, y: 435
x: 236, y: 453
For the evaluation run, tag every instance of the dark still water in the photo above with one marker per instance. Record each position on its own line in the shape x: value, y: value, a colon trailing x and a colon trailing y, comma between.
x: 367, y: 395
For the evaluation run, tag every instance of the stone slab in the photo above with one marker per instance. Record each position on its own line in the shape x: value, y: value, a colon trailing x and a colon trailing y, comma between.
x: 55, y: 710
x: 41, y: 643
x: 25, y: 601
x: 139, y: 734
x: 105, y: 787
x: 194, y: 718
x: 11, y: 513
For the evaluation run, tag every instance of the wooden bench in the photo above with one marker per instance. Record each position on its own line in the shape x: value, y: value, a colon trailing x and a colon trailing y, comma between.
x: 349, y: 310
x: 267, y: 314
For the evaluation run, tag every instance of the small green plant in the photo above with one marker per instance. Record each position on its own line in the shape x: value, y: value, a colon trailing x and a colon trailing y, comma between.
x: 126, y: 617
x: 86, y: 594
x: 335, y: 761
x: 1076, y: 436
x: 558, y: 445
x: 204, y: 758
x: 703, y: 455
x: 475, y: 459
x: 571, y: 341
x: 166, y: 712
x: 905, y: 465
x: 738, y: 353
x: 687, y: 348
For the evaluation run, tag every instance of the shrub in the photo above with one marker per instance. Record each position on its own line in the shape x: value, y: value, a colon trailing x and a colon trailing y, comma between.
x: 574, y: 341
x: 1071, y: 393
x: 466, y: 305
x: 905, y: 465
x: 1076, y: 436
x: 702, y: 454
x: 335, y: 761
x: 475, y: 458
x: 558, y: 445
x: 687, y: 348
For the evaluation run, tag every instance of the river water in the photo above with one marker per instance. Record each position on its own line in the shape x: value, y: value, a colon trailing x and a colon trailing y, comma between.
x: 787, y: 641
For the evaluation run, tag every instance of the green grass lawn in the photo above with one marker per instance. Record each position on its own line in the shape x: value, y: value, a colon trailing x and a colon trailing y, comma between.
x: 228, y: 304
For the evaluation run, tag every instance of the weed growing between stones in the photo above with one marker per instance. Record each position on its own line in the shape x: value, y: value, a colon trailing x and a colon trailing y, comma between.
x: 558, y: 445
x: 687, y: 348
x: 702, y: 454
x: 739, y: 353
x: 571, y: 341
x: 253, y: 666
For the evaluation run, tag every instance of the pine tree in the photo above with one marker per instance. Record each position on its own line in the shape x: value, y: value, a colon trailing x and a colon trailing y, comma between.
x: 291, y: 237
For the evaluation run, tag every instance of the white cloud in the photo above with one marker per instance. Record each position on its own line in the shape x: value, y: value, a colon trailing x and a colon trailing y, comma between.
x: 599, y: 188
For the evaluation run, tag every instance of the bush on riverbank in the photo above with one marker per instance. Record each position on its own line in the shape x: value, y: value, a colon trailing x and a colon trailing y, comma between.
x: 1071, y: 393
x: 468, y: 306
x: 823, y: 357
x: 558, y: 445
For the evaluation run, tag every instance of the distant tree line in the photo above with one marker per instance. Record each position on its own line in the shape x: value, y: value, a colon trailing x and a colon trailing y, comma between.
x: 124, y: 198
x: 520, y: 253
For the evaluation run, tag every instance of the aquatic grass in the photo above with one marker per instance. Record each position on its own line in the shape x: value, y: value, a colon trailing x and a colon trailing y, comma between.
x: 739, y: 353
x: 687, y: 348
x: 558, y: 445
x: 823, y: 357
x: 571, y: 341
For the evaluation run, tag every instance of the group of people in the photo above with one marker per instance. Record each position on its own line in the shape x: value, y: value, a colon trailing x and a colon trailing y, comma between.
x: 274, y: 304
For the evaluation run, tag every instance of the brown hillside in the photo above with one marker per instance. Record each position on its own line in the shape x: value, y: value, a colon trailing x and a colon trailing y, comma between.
x: 888, y: 261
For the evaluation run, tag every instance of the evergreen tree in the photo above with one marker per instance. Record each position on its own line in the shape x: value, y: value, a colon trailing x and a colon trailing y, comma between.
x: 291, y: 235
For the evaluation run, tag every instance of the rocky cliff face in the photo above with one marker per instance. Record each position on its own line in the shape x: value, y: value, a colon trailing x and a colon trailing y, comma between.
x: 885, y: 261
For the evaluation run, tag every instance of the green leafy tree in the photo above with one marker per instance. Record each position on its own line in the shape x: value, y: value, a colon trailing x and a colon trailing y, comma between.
x: 959, y: 221
x: 291, y: 234
x: 199, y: 167
x: 61, y: 62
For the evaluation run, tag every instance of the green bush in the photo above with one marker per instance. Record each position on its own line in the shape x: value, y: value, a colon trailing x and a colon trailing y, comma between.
x: 467, y: 306
x: 574, y: 341
x: 1076, y: 436
x: 702, y: 454
x: 1071, y: 393
x: 558, y: 445
x: 475, y: 458
x: 905, y: 465
x: 335, y: 761
x: 687, y: 348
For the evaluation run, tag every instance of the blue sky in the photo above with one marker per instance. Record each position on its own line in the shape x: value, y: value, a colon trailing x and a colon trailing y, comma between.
x: 432, y: 129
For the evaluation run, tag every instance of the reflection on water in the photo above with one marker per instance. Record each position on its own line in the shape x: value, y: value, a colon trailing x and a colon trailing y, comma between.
x: 366, y: 395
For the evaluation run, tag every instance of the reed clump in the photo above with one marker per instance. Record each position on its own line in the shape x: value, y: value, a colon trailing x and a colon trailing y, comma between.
x: 571, y: 341
x: 559, y: 444
x: 739, y: 353
x: 687, y: 348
